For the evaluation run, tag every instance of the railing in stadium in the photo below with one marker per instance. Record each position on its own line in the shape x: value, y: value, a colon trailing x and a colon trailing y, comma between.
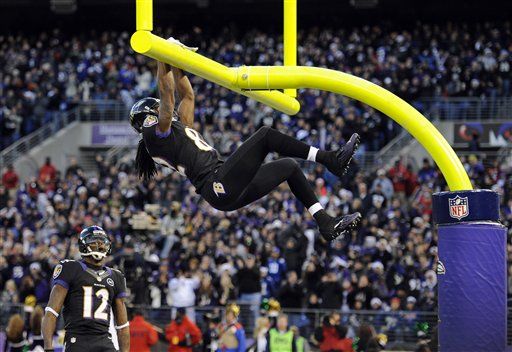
x: 102, y: 110
x: 162, y: 316
x: 453, y: 108
x: 401, y: 327
x: 466, y: 108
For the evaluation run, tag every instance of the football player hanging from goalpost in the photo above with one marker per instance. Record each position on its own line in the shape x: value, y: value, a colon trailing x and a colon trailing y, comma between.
x: 168, y: 138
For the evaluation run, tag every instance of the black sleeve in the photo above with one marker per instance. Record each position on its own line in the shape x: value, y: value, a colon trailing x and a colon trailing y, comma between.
x: 119, y: 284
x: 64, y: 272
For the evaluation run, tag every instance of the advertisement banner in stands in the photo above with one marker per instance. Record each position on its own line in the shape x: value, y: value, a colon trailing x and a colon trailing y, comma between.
x: 113, y: 134
x: 493, y: 134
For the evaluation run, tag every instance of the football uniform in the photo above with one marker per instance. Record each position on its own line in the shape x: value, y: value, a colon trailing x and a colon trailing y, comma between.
x: 88, y: 304
x: 182, y: 149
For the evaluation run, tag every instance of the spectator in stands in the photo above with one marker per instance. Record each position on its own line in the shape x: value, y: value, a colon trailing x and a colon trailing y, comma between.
x: 382, y: 185
x: 368, y: 340
x: 260, y: 333
x: 291, y: 293
x: 249, y: 284
x: 276, y: 265
x: 427, y: 173
x: 182, y: 333
x: 10, y: 293
x: 47, y: 175
x: 227, y: 291
x: 399, y: 176
x: 73, y: 169
x: 330, y: 289
x: 35, y: 336
x: 280, y: 338
x: 10, y: 178
x: 16, y: 334
x: 182, y: 290
x: 142, y: 334
x: 331, y: 336
x: 41, y: 286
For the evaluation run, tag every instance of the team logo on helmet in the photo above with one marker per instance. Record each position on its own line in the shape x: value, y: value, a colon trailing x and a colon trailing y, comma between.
x: 459, y: 207
x: 150, y: 121
x: 110, y: 282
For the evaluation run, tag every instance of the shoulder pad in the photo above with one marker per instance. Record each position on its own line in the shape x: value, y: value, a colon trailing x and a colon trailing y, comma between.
x: 64, y: 261
x: 117, y: 271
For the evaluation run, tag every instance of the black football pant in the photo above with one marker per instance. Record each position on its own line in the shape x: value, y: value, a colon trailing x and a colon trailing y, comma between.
x: 88, y: 343
x: 243, y: 178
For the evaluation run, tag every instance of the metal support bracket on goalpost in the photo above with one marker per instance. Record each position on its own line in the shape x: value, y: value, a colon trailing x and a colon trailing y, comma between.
x: 263, y: 83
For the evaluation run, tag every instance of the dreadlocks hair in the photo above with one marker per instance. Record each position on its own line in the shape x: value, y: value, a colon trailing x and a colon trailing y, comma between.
x: 144, y: 163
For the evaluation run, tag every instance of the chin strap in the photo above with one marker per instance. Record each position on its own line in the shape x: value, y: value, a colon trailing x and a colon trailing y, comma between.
x: 94, y: 254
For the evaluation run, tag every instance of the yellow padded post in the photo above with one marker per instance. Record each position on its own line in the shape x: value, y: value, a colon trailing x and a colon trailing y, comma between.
x: 144, y: 15
x: 160, y: 49
x: 290, y: 38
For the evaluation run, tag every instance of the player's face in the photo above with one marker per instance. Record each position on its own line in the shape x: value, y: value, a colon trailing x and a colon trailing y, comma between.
x: 98, y: 244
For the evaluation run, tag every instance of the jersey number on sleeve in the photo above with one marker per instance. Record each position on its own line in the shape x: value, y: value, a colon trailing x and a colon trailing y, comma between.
x: 100, y: 312
x: 200, y: 143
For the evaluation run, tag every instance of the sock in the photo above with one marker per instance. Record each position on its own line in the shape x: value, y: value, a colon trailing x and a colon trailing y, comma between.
x: 323, y: 219
x: 323, y: 157
x: 315, y: 208
x: 312, y: 153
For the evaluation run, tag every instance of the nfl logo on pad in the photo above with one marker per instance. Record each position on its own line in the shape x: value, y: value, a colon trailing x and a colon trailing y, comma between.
x: 459, y: 207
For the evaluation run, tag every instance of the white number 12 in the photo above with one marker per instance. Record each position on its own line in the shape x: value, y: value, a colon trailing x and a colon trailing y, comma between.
x: 100, y: 312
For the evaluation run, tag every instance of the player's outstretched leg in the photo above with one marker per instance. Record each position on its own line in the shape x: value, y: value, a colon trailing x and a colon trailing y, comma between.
x: 336, y: 162
x: 272, y: 174
x: 233, y: 177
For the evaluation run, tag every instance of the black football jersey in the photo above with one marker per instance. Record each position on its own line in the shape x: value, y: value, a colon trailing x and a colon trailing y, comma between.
x: 182, y: 149
x: 91, y: 293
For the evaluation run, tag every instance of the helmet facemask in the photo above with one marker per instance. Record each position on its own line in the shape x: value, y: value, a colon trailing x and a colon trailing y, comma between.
x: 98, y: 247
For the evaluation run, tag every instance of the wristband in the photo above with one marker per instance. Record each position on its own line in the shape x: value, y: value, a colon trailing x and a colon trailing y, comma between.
x: 123, y: 326
x: 51, y: 310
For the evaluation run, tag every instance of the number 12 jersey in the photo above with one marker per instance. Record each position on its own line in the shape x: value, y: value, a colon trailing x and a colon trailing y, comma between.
x: 90, y: 297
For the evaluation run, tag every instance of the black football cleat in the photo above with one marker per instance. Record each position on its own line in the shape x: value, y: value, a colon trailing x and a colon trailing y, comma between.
x: 343, y: 156
x: 340, y: 226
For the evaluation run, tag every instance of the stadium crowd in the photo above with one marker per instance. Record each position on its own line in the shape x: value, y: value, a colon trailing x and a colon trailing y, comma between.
x: 183, y: 253
x: 43, y: 74
x: 176, y: 250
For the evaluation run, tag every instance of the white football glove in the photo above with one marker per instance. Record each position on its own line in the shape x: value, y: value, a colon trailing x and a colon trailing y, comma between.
x: 176, y: 41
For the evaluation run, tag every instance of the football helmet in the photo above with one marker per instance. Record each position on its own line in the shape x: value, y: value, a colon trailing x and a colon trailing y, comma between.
x: 94, y: 241
x: 141, y: 109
